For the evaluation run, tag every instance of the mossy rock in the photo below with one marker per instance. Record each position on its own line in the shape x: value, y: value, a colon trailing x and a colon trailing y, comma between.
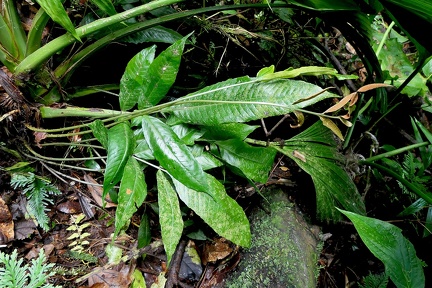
x: 284, y: 250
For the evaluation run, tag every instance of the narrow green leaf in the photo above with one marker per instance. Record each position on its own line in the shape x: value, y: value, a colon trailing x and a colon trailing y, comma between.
x: 162, y: 74
x: 244, y: 99
x: 144, y: 233
x: 132, y: 193
x: 218, y: 210
x: 131, y: 83
x: 106, y: 6
x: 314, y: 150
x: 169, y: 214
x: 119, y: 149
x: 187, y: 134
x: 388, y: 244
x: 100, y: 132
x: 172, y: 154
x: 254, y: 162
x: 54, y: 8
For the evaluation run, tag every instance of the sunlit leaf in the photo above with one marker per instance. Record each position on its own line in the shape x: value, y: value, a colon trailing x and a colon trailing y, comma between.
x: 169, y: 214
x: 388, y: 244
x: 244, y: 99
x: 161, y: 75
x: 131, y: 83
x: 172, y: 154
x: 55, y: 9
x: 132, y: 193
x: 218, y: 210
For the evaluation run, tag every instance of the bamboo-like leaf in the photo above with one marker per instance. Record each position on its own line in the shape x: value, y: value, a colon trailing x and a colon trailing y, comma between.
x: 132, y: 193
x: 54, y: 8
x: 332, y: 126
x: 120, y: 147
x: 161, y: 74
x: 320, y: 159
x: 169, y: 214
x: 341, y: 103
x: 157, y: 34
x: 388, y: 244
x: 372, y: 86
x: 218, y: 210
x: 106, y: 6
x: 244, y: 99
x: 131, y: 83
x: 302, y: 71
x: 173, y: 155
x: 254, y: 162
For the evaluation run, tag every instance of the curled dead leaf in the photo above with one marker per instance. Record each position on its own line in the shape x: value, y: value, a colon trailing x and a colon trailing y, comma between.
x: 372, y: 86
x: 332, y: 126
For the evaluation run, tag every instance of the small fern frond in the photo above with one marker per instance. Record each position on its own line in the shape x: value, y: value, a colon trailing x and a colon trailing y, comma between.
x: 37, y: 191
x: 15, y: 275
x: 375, y: 281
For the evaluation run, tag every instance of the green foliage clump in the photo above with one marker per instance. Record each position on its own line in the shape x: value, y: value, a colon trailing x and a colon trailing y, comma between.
x: 15, y: 275
x: 38, y: 191
x: 375, y: 281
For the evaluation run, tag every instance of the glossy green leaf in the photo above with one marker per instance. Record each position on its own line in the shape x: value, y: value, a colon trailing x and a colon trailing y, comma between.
x: 204, y: 158
x: 131, y: 83
x: 100, y: 132
x: 132, y: 193
x: 120, y: 147
x: 157, y: 34
x: 218, y: 210
x: 172, y: 154
x: 143, y: 151
x: 169, y: 214
x: 161, y: 74
x: 254, y: 162
x: 54, y: 8
x: 106, y: 6
x: 314, y: 150
x: 244, y: 99
x: 388, y: 244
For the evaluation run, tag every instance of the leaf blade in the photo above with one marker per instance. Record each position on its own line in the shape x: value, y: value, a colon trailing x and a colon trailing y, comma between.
x: 132, y: 193
x: 172, y: 154
x: 169, y: 214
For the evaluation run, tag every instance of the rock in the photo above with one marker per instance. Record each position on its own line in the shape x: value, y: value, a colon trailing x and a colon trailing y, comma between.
x: 285, y: 248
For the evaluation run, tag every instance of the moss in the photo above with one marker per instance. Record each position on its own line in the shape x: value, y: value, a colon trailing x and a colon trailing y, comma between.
x: 283, y: 251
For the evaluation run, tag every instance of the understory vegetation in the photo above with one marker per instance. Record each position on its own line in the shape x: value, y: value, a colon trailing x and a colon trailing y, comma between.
x: 129, y: 127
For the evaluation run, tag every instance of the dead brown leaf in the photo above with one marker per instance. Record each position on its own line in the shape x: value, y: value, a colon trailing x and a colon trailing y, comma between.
x: 6, y: 224
x: 97, y: 191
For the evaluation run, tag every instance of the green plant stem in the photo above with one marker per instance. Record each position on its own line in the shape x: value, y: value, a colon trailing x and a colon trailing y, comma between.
x: 49, y: 112
x: 80, y: 92
x: 59, y: 159
x: 18, y: 34
x: 426, y: 196
x: 62, y: 165
x: 34, y: 37
x: 385, y: 36
x: 396, y: 151
x: 41, y: 55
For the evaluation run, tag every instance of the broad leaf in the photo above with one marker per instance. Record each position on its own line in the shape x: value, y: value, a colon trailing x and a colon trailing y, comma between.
x: 228, y: 131
x: 169, y: 214
x: 254, y: 162
x: 315, y: 152
x: 100, y: 132
x: 187, y: 134
x: 106, y: 6
x: 244, y: 99
x: 132, y: 193
x: 144, y: 233
x: 153, y: 35
x: 172, y: 154
x: 161, y: 75
x: 218, y: 210
x: 388, y: 244
x: 54, y: 8
x: 120, y: 146
x: 131, y: 83
x: 206, y: 160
